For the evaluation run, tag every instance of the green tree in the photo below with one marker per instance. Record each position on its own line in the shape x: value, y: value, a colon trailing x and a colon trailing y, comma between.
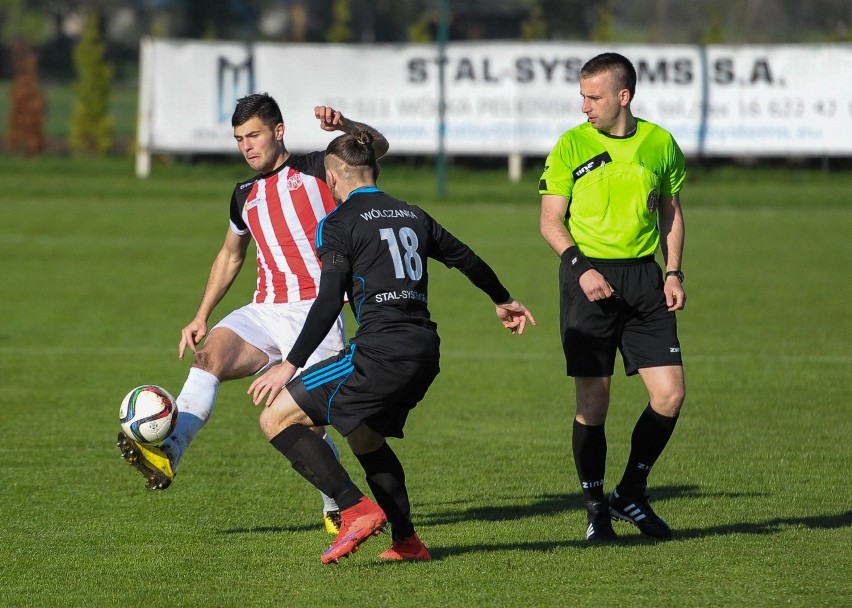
x: 22, y: 29
x: 713, y: 34
x: 340, y: 30
x: 534, y: 26
x: 419, y: 30
x: 91, y: 124
x: 603, y: 30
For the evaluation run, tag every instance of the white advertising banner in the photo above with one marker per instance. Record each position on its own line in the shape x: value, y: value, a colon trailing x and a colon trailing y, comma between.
x: 502, y: 98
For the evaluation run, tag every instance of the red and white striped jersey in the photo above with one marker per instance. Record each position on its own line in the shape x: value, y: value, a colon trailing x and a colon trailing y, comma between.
x: 281, y: 210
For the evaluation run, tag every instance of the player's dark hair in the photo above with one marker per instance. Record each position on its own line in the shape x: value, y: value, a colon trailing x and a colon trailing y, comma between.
x: 355, y: 149
x: 618, y: 64
x: 257, y: 105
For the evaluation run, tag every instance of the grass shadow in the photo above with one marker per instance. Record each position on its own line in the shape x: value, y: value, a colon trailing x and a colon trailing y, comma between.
x: 552, y: 504
x: 547, y: 504
x: 772, y: 526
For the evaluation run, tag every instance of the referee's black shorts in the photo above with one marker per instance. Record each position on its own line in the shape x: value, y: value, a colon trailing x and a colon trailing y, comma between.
x: 636, y: 322
x: 353, y: 388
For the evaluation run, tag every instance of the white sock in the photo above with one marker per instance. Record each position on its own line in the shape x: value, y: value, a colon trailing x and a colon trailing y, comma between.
x: 195, y: 405
x: 328, y: 503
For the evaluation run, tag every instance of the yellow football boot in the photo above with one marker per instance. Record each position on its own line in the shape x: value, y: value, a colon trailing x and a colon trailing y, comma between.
x: 331, y: 519
x: 154, y: 464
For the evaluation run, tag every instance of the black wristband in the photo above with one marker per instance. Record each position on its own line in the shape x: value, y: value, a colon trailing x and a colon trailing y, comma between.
x: 576, y: 262
x: 675, y: 273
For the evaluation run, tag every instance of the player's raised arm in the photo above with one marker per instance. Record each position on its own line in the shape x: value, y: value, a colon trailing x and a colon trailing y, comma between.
x: 333, y: 120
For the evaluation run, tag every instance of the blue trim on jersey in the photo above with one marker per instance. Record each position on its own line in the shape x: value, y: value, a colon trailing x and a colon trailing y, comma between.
x: 318, y: 231
x: 364, y: 297
x: 362, y: 189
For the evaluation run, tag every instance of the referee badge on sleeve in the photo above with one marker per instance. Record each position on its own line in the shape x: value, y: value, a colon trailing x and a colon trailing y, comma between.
x: 653, y: 200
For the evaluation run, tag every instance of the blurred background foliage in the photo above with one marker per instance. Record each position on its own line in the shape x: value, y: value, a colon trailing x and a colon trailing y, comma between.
x: 47, y: 81
x: 53, y: 26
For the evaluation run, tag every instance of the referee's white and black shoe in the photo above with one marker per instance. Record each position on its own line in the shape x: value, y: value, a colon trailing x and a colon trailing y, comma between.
x: 637, y: 511
x: 600, y: 525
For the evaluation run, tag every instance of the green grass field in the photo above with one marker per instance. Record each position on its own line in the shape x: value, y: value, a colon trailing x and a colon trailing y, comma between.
x: 101, y: 271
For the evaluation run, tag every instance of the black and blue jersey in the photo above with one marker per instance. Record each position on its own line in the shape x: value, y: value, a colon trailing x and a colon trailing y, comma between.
x: 374, y: 248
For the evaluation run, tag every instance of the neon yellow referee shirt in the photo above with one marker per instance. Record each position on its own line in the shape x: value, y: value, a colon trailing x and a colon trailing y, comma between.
x: 613, y: 185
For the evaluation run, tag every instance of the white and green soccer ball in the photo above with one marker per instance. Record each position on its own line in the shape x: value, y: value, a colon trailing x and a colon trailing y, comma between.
x: 148, y: 414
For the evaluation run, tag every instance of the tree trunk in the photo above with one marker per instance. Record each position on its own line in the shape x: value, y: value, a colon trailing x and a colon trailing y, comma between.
x: 26, y: 116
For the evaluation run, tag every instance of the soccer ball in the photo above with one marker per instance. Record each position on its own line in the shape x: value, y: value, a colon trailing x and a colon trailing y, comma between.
x: 148, y: 414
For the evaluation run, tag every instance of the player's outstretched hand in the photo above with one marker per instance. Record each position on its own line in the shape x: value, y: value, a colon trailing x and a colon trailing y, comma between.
x: 330, y: 119
x: 514, y: 315
x: 271, y: 383
x: 191, y: 335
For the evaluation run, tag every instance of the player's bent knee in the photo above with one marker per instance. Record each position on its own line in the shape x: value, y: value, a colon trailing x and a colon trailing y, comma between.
x: 364, y: 440
x: 271, y: 423
x: 283, y: 413
x: 592, y: 412
x: 670, y: 403
x: 202, y: 360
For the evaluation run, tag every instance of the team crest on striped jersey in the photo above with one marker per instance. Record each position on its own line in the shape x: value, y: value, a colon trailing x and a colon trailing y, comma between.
x: 294, y: 181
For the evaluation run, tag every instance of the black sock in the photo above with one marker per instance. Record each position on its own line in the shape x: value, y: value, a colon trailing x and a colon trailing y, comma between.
x: 650, y: 436
x: 589, y: 444
x: 313, y: 459
x: 386, y: 479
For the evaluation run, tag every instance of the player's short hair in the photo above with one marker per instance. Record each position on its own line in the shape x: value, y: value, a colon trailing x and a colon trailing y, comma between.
x: 257, y: 105
x: 355, y: 150
x: 619, y: 65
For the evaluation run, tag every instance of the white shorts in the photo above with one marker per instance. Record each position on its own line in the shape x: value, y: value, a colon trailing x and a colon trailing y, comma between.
x: 273, y: 328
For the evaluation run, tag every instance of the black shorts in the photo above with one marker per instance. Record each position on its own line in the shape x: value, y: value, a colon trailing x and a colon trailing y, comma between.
x: 636, y: 322
x: 353, y: 388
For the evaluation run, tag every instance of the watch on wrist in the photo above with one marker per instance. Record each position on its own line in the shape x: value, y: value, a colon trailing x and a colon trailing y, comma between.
x: 675, y: 273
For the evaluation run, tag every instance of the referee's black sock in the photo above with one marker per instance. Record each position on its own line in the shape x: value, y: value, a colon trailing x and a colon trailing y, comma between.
x: 386, y: 479
x: 650, y: 436
x: 589, y: 446
x: 313, y: 459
